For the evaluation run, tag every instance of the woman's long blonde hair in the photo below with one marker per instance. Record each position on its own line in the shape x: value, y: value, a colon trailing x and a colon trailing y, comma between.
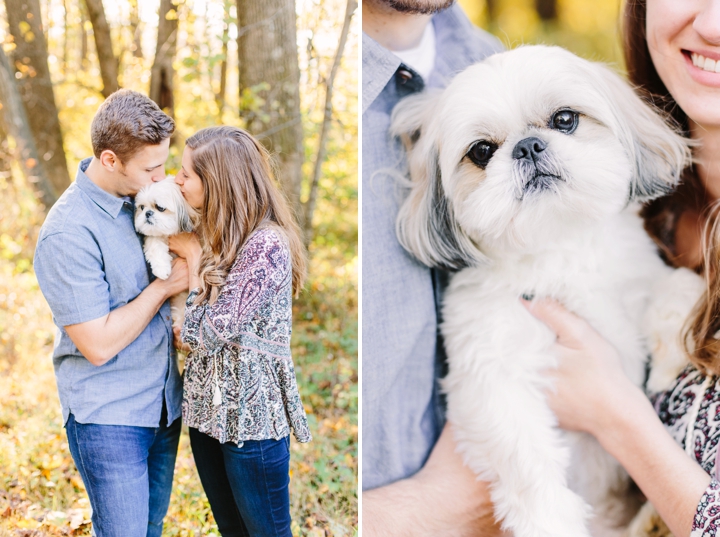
x: 240, y: 195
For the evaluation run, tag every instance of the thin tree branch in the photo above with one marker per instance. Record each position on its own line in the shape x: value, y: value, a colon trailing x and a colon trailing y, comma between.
x: 309, y: 205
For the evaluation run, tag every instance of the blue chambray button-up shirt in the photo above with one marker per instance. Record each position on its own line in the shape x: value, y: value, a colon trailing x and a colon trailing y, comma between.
x: 89, y: 261
x: 401, y: 418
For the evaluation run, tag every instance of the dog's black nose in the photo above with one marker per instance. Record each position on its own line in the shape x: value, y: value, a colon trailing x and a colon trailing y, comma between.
x: 148, y: 214
x: 529, y: 149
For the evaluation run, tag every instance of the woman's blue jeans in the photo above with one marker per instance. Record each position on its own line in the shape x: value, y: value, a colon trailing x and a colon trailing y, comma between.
x: 128, y: 473
x: 247, y: 485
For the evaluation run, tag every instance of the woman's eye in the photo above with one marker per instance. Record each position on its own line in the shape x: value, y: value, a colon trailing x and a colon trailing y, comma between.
x: 161, y: 209
x: 564, y: 121
x: 481, y: 152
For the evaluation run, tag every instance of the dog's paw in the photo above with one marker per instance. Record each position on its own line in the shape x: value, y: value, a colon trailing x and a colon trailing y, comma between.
x: 162, y: 272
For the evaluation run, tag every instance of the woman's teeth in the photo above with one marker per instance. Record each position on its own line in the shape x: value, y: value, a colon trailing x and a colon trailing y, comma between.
x: 706, y: 64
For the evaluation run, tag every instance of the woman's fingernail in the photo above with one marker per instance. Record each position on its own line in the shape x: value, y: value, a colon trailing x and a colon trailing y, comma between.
x: 528, y: 296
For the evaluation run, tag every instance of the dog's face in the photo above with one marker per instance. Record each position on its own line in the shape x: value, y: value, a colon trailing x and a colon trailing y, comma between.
x: 522, y: 148
x: 161, y: 210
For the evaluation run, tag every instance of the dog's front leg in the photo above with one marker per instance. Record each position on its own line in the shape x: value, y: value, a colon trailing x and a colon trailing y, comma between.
x: 508, y: 435
x: 158, y: 255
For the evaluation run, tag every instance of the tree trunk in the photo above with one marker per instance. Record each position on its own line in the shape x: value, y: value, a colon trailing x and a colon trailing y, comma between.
x: 492, y: 9
x: 15, y: 120
x: 103, y: 44
x: 546, y: 9
x: 35, y: 88
x: 220, y: 97
x: 136, y: 29
x: 267, y: 53
x: 325, y: 127
x: 5, y: 156
x: 162, y: 74
x: 83, y: 38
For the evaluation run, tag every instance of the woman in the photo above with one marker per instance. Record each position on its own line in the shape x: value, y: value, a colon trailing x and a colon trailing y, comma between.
x: 672, y: 49
x: 240, y: 397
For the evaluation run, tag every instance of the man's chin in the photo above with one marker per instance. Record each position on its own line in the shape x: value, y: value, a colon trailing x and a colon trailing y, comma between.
x: 418, y: 7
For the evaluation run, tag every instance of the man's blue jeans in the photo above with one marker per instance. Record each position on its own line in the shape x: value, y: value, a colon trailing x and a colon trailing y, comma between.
x: 128, y: 473
x: 247, y: 485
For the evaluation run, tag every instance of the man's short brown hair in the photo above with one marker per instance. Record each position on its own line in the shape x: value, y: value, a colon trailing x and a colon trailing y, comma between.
x: 128, y: 121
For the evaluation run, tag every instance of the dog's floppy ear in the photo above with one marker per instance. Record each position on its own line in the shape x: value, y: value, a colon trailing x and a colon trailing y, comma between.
x: 426, y: 225
x: 658, y: 152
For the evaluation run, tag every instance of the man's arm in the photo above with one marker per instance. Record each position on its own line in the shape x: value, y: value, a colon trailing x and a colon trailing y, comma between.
x: 443, y: 498
x: 103, y: 338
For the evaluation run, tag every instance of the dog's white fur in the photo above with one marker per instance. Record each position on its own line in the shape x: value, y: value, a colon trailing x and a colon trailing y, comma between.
x: 578, y: 240
x: 161, y: 211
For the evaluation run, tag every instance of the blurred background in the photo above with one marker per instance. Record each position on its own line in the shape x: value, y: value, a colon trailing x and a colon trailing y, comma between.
x: 287, y: 70
x: 589, y: 28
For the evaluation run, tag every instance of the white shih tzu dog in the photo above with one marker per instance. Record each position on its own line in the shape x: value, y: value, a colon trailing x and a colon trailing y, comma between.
x: 524, y: 173
x: 161, y: 211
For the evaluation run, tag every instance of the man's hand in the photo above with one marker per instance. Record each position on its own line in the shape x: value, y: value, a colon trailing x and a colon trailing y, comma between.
x: 444, y: 498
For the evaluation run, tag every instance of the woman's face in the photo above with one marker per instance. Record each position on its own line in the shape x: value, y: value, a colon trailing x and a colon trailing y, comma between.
x: 190, y: 182
x: 684, y: 41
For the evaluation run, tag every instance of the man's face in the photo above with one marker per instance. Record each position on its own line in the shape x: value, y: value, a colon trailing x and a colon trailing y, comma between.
x: 145, y: 167
x: 419, y: 7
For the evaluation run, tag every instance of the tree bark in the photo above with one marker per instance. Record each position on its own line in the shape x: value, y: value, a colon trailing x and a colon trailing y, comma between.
x: 15, y: 120
x: 162, y: 74
x: 325, y: 127
x: 103, y: 45
x: 267, y: 53
x: 35, y: 88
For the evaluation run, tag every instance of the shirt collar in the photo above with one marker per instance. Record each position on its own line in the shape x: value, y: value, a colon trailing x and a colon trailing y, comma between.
x: 456, y: 38
x: 112, y: 205
x: 378, y: 67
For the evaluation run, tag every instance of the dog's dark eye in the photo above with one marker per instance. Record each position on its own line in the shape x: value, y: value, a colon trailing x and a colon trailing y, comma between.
x: 141, y: 207
x: 161, y: 209
x: 481, y: 152
x: 564, y: 121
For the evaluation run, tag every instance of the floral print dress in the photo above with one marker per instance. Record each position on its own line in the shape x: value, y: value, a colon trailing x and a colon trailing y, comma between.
x: 239, y: 376
x: 690, y: 410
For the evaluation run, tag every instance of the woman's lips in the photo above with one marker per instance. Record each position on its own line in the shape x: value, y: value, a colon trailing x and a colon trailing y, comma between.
x: 696, y: 64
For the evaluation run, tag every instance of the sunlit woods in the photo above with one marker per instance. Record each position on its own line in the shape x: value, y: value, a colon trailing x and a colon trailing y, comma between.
x: 199, y: 82
x: 589, y: 28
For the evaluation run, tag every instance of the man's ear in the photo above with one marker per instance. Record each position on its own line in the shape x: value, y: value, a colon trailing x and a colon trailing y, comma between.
x: 109, y: 160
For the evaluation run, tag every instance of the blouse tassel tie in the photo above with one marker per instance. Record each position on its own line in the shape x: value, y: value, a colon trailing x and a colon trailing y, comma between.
x: 217, y: 395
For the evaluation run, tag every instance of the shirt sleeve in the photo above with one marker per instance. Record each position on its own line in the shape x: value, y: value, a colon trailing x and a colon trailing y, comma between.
x: 70, y: 271
x: 707, y: 515
x: 262, y: 269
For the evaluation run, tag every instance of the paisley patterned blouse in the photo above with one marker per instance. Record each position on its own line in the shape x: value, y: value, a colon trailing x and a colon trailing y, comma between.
x: 239, y: 376
x: 694, y: 400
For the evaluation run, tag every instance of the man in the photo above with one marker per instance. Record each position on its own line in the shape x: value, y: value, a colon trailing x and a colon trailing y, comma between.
x: 115, y: 365
x: 414, y: 482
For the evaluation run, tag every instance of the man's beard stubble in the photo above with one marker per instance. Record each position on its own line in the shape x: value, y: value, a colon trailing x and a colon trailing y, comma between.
x: 417, y: 7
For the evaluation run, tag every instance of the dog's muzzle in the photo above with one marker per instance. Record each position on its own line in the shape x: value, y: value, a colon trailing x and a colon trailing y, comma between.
x: 535, y: 168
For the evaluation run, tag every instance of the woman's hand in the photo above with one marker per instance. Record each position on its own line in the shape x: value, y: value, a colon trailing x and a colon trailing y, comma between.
x: 590, y: 384
x: 593, y: 394
x: 185, y: 245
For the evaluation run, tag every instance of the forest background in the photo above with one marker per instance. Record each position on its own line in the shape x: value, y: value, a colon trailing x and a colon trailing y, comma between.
x: 285, y: 70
